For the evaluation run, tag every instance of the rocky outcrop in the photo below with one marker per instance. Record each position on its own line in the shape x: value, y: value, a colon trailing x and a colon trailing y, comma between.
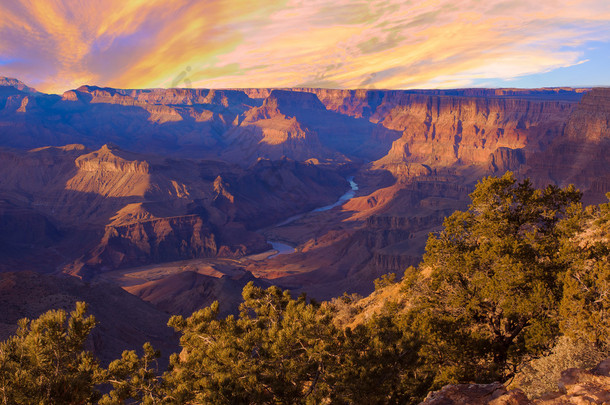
x: 580, y: 155
x: 273, y: 131
x: 287, y: 102
x: 12, y: 82
x: 472, y: 394
x: 274, y: 139
x: 169, y: 239
x: 590, y: 121
x: 504, y: 159
x: 108, y: 159
x: 155, y: 240
x: 444, y: 130
x: 576, y: 387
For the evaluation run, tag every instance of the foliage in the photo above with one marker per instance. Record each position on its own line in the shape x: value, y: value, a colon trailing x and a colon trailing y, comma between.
x: 282, y: 350
x: 45, y: 363
x: 492, y: 289
x: 135, y: 379
x: 275, y: 352
x: 376, y: 364
x: 541, y: 375
x: 345, y: 308
x: 585, y: 307
x: 385, y: 281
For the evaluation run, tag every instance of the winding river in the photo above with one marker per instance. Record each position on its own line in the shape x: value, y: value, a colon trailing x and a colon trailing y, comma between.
x: 283, y: 248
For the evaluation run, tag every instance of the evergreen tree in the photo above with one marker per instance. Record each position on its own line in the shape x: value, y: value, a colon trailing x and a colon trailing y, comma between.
x: 276, y: 351
x: 135, y: 379
x: 491, y: 281
x: 44, y: 363
x: 585, y: 307
x: 376, y: 363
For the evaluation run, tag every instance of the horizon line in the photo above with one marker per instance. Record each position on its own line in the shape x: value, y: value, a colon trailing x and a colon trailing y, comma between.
x: 559, y: 87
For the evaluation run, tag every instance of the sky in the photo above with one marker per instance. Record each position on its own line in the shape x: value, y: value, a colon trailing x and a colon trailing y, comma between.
x: 56, y: 45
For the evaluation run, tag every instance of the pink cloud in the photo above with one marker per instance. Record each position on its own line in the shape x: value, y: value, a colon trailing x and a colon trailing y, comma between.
x: 60, y: 44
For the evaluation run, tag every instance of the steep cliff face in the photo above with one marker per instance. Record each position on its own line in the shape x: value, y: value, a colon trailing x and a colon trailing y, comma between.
x: 170, y: 239
x: 354, y: 103
x: 590, y: 120
x: 493, y: 128
x: 440, y: 127
x: 581, y: 154
x: 168, y: 97
x: 446, y: 130
x: 273, y: 131
x: 154, y: 240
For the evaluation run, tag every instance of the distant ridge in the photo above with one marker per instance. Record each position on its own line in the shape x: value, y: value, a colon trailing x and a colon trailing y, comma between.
x: 19, y: 85
x: 264, y: 92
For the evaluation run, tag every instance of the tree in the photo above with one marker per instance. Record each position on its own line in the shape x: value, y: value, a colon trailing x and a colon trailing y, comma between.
x: 585, y: 307
x: 376, y: 363
x: 44, y: 363
x: 492, y: 280
x: 282, y: 350
x: 276, y: 351
x: 385, y: 280
x: 135, y: 379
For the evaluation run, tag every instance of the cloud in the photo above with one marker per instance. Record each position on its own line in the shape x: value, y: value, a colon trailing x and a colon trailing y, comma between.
x: 61, y: 44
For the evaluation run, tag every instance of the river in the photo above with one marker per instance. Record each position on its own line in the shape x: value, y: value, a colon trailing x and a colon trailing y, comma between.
x: 283, y: 248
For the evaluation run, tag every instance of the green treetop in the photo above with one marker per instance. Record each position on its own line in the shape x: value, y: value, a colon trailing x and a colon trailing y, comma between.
x: 492, y: 280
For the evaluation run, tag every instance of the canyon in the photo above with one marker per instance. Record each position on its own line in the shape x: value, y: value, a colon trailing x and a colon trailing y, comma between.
x: 176, y: 194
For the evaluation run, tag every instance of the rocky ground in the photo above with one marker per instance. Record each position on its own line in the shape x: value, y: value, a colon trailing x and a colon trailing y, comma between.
x: 576, y: 387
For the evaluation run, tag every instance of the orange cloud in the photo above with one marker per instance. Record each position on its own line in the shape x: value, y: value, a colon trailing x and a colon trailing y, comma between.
x: 61, y: 44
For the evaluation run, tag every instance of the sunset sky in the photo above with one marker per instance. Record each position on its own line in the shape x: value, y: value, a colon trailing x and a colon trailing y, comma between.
x: 56, y: 45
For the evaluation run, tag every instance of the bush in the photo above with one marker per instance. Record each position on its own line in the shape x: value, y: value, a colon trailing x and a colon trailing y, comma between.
x: 541, y: 375
x: 45, y: 362
x: 385, y: 281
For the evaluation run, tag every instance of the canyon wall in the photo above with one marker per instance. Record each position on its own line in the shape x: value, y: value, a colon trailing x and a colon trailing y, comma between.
x: 154, y: 175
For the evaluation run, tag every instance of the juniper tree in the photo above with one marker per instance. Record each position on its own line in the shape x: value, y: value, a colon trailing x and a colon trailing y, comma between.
x: 45, y: 363
x: 492, y: 280
x: 276, y: 351
x: 585, y: 307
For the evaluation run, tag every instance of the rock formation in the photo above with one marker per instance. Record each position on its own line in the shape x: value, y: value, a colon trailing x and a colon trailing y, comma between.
x: 131, y: 209
x: 575, y: 387
x: 158, y: 175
